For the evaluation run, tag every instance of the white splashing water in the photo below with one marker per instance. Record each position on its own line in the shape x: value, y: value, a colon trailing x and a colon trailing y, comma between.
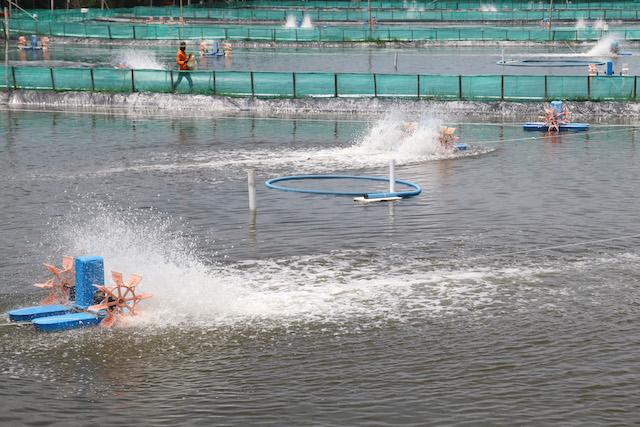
x: 600, y: 25
x: 580, y: 24
x: 291, y: 22
x: 298, y: 289
x: 386, y: 139
x: 306, y: 22
x: 138, y: 60
x: 603, y: 47
x: 488, y: 8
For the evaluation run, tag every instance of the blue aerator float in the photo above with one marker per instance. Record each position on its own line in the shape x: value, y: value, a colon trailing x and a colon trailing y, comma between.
x: 95, y: 303
x: 556, y: 119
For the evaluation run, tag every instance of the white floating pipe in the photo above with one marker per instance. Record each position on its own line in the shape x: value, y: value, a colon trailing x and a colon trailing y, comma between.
x: 392, y: 176
x: 251, y: 181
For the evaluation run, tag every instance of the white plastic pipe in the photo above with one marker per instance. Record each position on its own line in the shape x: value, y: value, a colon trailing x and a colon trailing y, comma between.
x: 392, y: 176
x: 251, y: 183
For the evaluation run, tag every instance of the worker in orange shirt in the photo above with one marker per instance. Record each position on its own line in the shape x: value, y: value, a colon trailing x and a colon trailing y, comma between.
x: 182, y: 59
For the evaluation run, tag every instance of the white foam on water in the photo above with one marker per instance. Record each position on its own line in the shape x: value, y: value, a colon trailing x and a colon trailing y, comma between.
x: 291, y: 22
x: 488, y: 8
x: 580, y: 24
x: 600, y: 25
x: 306, y: 22
x: 137, y: 59
x: 386, y: 139
x: 333, y: 287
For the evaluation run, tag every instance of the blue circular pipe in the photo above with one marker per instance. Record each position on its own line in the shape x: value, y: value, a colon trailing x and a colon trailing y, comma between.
x: 404, y: 194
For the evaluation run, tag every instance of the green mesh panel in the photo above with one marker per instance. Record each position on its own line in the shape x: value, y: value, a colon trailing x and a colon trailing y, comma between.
x: 354, y: 35
x: 315, y: 84
x: 153, y: 80
x: 213, y: 33
x: 355, y: 85
x: 202, y: 82
x: 440, y: 87
x: 567, y: 87
x: 612, y: 88
x: 268, y: 84
x: 259, y: 34
x: 397, y: 85
x: 481, y: 87
x: 112, y: 80
x: 33, y: 78
x: 524, y: 87
x: 233, y: 82
x: 121, y: 31
x: 6, y: 77
x: 72, y: 78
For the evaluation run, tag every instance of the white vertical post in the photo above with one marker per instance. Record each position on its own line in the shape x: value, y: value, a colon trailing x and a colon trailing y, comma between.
x: 251, y: 181
x: 392, y: 176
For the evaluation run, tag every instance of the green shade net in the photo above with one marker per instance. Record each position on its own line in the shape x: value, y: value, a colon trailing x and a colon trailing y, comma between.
x: 300, y: 85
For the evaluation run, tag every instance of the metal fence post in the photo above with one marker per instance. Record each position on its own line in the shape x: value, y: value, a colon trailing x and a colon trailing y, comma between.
x: 589, y: 87
x: 335, y: 84
x: 252, y: 88
x: 214, y: 83
x: 502, y: 87
x: 53, y: 82
x: 293, y: 81
x: 13, y: 74
x: 418, y: 78
x: 133, y: 28
x: 546, y: 96
x: 109, y: 30
x: 133, y: 86
x: 635, y: 85
x: 375, y: 85
x: 93, y: 82
x: 460, y: 86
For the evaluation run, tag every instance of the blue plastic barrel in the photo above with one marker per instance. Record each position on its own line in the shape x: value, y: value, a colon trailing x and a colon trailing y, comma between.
x: 34, y: 40
x: 609, y: 71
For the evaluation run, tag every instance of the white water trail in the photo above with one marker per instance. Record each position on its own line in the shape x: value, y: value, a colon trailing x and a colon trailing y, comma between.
x: 385, y: 139
x: 138, y: 60
x: 334, y: 287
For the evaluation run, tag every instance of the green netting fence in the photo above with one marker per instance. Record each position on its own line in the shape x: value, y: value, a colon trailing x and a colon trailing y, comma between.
x: 430, y: 4
x: 317, y: 34
x: 630, y: 12
x: 304, y: 85
x: 362, y: 14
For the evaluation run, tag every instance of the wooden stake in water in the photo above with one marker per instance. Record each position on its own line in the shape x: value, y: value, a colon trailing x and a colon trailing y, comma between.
x: 251, y: 181
x: 395, y: 62
x: 392, y: 176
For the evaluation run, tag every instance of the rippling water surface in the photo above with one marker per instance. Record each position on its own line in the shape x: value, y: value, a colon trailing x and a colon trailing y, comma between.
x: 506, y: 292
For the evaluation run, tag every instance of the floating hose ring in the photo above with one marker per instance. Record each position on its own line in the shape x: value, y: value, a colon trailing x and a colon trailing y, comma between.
x: 373, y: 195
